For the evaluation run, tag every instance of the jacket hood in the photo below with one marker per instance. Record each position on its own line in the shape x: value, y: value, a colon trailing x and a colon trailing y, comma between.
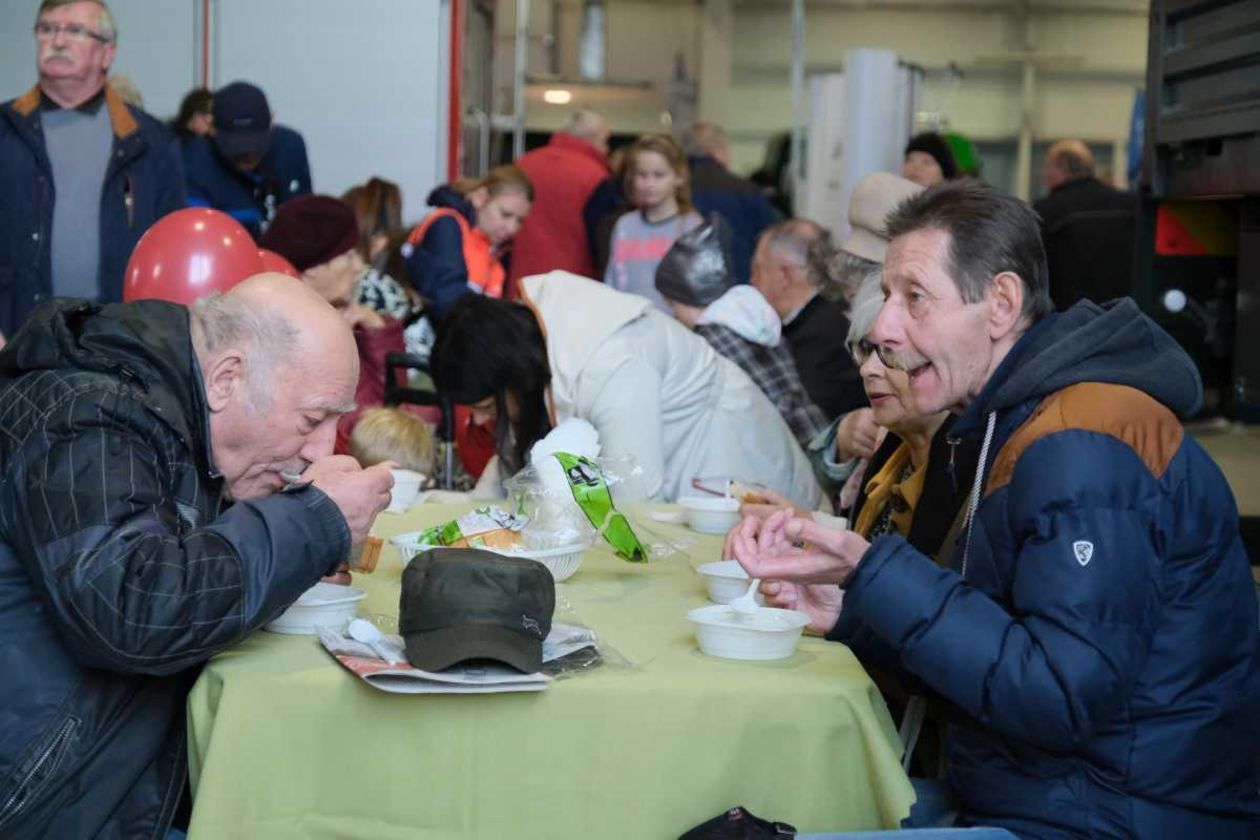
x: 745, y: 312
x: 146, y: 343
x: 1113, y: 343
x: 578, y: 315
x: 446, y: 196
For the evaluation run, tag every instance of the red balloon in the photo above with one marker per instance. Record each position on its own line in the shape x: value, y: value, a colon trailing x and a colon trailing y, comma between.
x: 271, y: 261
x: 190, y: 253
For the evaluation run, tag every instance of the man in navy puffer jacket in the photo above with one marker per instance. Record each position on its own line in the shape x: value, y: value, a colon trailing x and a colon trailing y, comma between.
x: 1095, y: 633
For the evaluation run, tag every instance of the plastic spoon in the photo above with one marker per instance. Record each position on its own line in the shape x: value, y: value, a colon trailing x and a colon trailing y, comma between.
x: 365, y: 631
x: 745, y: 605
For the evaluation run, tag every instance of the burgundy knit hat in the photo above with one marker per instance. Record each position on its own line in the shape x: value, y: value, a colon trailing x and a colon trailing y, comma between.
x: 312, y: 230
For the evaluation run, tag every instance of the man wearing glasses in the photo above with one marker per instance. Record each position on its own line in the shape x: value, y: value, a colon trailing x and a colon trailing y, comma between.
x: 83, y: 173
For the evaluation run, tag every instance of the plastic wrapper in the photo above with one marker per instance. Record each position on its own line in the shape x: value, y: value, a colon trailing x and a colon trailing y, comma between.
x: 570, y: 495
x: 589, y: 654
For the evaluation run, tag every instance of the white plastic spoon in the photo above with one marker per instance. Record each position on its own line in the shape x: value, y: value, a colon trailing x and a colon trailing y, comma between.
x: 366, y: 632
x: 745, y: 605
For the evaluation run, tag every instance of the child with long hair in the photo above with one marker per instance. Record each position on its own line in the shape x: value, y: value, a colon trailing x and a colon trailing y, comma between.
x: 659, y: 187
x: 458, y: 247
x: 377, y: 207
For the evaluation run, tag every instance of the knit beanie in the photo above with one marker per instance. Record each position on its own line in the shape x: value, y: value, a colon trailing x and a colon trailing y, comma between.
x: 311, y: 230
x: 696, y: 270
x: 938, y: 147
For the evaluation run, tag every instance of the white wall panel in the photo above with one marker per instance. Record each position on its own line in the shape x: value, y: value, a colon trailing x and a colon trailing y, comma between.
x: 364, y: 83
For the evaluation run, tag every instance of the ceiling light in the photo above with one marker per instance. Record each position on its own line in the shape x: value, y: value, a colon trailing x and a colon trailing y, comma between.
x: 557, y: 96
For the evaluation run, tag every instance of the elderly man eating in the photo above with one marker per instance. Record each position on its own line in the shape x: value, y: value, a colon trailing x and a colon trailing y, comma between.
x: 168, y: 486
x: 1096, y: 634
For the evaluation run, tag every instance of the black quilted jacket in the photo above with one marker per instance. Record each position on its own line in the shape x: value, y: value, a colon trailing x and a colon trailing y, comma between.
x: 122, y: 569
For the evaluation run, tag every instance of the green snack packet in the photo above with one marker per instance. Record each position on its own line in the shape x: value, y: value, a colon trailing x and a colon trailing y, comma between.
x: 590, y: 491
x: 471, y: 526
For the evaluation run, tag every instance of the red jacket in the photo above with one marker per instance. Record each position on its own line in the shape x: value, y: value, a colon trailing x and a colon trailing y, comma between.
x: 564, y: 173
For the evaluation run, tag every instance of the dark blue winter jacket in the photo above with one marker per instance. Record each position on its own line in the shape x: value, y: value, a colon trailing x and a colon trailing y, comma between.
x: 1097, y: 635
x: 143, y: 183
x: 436, y: 266
x: 122, y: 568
x: 249, y: 197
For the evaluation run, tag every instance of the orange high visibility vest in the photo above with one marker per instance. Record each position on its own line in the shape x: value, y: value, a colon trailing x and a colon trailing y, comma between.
x: 484, y: 269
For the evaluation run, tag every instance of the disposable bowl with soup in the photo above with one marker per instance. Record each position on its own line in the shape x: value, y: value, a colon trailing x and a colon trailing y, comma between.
x: 323, y: 605
x: 710, y: 515
x: 763, y: 635
x: 725, y: 581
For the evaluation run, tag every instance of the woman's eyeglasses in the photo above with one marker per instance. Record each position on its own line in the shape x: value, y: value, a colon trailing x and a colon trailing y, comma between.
x: 862, y: 350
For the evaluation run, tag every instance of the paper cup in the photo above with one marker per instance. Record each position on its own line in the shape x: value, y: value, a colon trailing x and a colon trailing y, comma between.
x: 405, y: 491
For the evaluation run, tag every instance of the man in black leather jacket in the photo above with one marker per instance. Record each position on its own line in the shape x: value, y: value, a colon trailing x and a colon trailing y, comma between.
x: 151, y: 515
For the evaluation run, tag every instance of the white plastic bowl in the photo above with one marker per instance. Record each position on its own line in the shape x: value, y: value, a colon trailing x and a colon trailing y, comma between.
x: 766, y: 634
x: 323, y: 605
x: 711, y: 515
x: 406, y: 490
x: 726, y: 580
x: 561, y: 561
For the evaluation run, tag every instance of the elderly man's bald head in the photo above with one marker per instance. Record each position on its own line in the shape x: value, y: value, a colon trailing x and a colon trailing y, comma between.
x: 1066, y: 161
x: 275, y: 319
x: 591, y: 127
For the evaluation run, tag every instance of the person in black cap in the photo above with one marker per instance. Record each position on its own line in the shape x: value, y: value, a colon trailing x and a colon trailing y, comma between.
x: 461, y: 604
x: 928, y: 160
x: 697, y: 280
x: 249, y: 166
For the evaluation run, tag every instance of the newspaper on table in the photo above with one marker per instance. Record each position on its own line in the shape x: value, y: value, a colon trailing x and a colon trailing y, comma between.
x: 399, y: 676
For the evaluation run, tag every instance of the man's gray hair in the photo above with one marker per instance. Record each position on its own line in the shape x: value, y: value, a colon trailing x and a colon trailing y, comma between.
x: 989, y: 233
x: 104, y: 24
x: 267, y: 338
x: 809, y: 245
x: 705, y: 139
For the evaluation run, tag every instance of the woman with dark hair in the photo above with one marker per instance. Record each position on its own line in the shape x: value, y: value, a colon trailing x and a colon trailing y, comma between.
x: 651, y: 388
x: 194, y: 117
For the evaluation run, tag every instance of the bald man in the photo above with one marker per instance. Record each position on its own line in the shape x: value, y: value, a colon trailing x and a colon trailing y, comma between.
x: 564, y: 173
x: 168, y: 489
x: 1087, y: 227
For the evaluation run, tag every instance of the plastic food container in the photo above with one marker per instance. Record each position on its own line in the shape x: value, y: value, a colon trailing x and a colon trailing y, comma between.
x: 323, y: 605
x: 406, y: 490
x: 561, y: 561
x: 766, y: 634
x: 711, y: 515
x: 726, y: 581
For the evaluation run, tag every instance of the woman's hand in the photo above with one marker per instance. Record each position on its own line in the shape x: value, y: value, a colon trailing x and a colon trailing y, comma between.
x: 820, y: 602
x: 858, y: 435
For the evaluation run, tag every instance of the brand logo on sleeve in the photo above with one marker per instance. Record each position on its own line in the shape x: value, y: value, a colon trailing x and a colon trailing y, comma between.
x: 1084, y: 551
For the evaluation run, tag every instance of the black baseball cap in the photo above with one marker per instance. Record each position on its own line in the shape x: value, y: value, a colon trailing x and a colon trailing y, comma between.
x: 242, y: 120
x: 463, y: 603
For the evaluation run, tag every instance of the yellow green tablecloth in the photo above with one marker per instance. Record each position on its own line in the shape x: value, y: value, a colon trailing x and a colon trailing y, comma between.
x: 284, y: 743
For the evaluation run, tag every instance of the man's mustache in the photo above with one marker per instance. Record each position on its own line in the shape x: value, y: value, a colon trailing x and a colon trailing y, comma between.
x: 906, y: 360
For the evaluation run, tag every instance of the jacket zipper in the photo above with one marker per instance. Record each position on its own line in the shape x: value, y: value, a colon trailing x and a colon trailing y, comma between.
x: 129, y: 200
x: 12, y: 806
x: 950, y: 468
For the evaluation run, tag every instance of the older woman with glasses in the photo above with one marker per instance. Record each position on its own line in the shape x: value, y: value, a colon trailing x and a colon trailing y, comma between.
x: 915, y: 483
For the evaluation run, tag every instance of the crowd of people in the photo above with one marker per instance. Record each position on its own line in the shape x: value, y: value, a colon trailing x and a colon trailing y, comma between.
x: 1037, y: 553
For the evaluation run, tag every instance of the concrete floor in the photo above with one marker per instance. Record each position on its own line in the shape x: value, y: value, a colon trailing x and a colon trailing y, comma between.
x: 1236, y: 449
